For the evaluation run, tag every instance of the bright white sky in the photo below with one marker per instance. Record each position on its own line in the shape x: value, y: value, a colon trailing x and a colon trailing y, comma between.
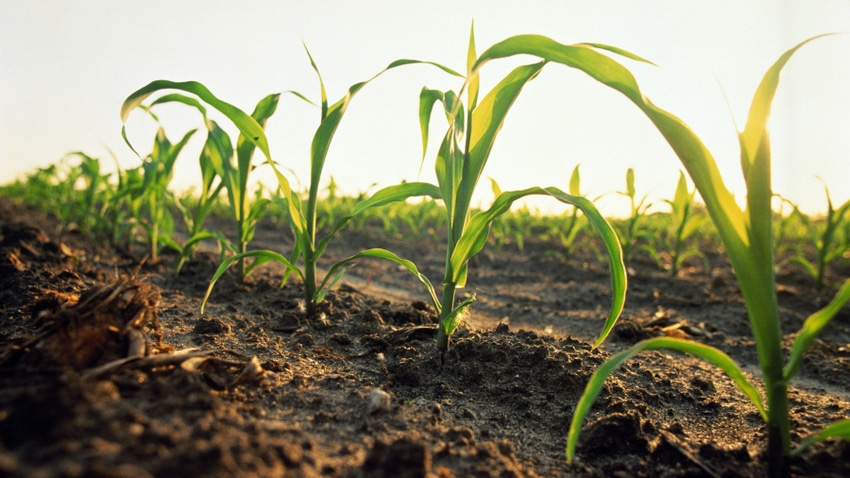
x: 66, y: 67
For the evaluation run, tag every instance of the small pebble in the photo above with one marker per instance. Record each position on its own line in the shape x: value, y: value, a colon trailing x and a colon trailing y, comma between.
x: 378, y: 401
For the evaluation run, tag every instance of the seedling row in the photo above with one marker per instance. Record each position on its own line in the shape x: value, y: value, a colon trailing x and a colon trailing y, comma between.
x: 137, y: 207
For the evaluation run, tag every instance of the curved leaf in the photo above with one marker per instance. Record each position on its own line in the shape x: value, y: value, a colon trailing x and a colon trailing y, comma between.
x: 812, y: 327
x: 475, y: 236
x: 246, y: 124
x: 264, y: 256
x: 387, y: 195
x: 335, y: 272
x: 333, y: 115
x: 688, y: 147
x: 427, y: 98
x: 178, y: 98
x: 708, y: 353
x: 839, y: 429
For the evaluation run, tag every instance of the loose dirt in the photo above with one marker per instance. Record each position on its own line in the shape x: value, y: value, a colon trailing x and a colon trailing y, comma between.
x: 108, y: 368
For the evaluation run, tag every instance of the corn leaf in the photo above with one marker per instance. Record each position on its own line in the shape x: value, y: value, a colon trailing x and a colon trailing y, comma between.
x: 260, y: 256
x: 387, y: 195
x: 487, y: 119
x: 475, y: 236
x: 575, y: 182
x: 332, y: 116
x: 324, y: 93
x: 694, y: 155
x: 755, y: 160
x: 708, y: 353
x: 245, y: 151
x: 812, y: 327
x: 839, y: 429
x: 216, y: 156
x: 456, y: 316
x: 246, y: 124
x: 178, y: 98
x: 449, y: 171
x: 427, y: 98
x: 474, y: 80
x: 335, y: 272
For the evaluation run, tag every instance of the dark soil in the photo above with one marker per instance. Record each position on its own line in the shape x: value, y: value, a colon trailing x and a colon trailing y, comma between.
x: 108, y: 368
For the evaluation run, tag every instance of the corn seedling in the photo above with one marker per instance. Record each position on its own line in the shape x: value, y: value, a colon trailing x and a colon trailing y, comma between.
x: 747, y: 235
x: 216, y: 160
x: 157, y: 172
x: 76, y: 193
x: 686, y: 222
x: 302, y: 217
x: 787, y: 229
x: 566, y: 229
x: 633, y: 235
x: 825, y: 239
x: 464, y: 152
x: 513, y: 227
x: 86, y: 206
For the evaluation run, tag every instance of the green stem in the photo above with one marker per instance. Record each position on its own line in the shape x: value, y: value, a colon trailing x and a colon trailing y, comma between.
x: 778, y: 430
x: 309, y: 282
x: 759, y: 294
x: 243, y: 247
x: 154, y: 239
x: 447, y: 305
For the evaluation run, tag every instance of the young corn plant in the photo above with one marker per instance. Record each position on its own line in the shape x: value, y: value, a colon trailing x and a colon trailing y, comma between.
x: 686, y: 222
x: 216, y: 161
x: 86, y: 206
x: 302, y: 217
x: 825, y: 239
x: 464, y: 152
x: 157, y: 172
x: 567, y: 228
x: 514, y: 226
x: 632, y: 235
x: 747, y: 236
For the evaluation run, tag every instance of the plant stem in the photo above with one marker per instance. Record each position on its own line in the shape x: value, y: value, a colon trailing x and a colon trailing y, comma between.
x: 778, y: 430
x: 447, y: 303
x: 309, y: 282
x: 758, y: 288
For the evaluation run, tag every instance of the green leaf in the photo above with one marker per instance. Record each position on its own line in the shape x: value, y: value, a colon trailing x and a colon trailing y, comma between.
x: 387, y: 195
x: 474, y: 80
x: 475, y: 236
x: 755, y: 159
x: 427, y: 98
x: 630, y: 183
x: 694, y: 155
x: 575, y: 182
x: 324, y: 92
x: 247, y: 125
x: 708, y: 353
x: 178, y: 98
x: 330, y: 120
x: 812, y: 327
x: 336, y: 271
x: 265, y: 108
x: 838, y: 429
x: 487, y: 120
x: 456, y: 317
x: 264, y: 256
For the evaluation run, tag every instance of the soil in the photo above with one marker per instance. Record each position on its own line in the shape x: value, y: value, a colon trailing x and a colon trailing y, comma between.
x: 108, y: 368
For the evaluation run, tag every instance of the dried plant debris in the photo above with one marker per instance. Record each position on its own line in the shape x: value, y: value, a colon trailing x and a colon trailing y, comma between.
x: 107, y: 328
x: 101, y: 324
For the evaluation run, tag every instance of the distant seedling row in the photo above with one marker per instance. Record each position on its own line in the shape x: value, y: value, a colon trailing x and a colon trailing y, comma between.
x: 136, y: 206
